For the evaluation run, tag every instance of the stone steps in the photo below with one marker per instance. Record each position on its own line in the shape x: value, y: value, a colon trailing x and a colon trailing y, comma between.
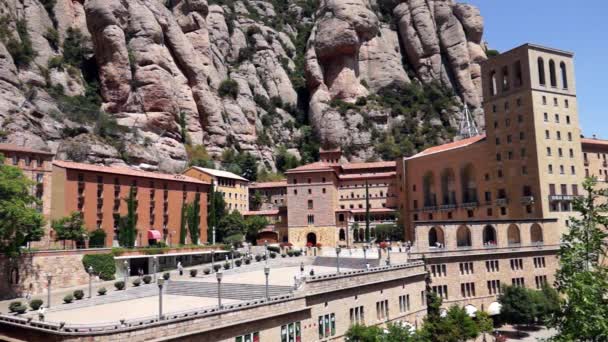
x: 229, y: 290
x: 354, y: 263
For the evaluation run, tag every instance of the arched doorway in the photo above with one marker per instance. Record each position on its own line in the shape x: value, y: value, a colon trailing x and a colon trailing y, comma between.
x: 489, y: 236
x: 342, y: 235
x: 311, y: 238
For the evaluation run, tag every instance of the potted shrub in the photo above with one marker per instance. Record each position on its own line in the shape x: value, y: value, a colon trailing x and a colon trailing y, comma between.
x: 14, y: 305
x: 283, y: 255
x: 247, y: 261
x: 136, y: 282
x: 216, y: 267
x: 119, y: 285
x: 166, y: 275
x: 68, y: 298
x: 258, y: 257
x: 309, y: 244
x: 238, y: 262
x: 193, y: 272
x: 274, y: 249
x: 78, y: 294
x: 273, y: 255
x: 20, y: 309
x: 226, y: 265
x: 318, y: 245
x: 290, y: 253
x: 206, y: 270
x: 147, y: 279
x: 102, y: 291
x: 383, y: 245
x: 35, y: 304
x: 297, y: 253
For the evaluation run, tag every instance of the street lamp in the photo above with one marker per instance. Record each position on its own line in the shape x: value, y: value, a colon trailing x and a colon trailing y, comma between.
x: 365, y: 253
x: 126, y: 269
x: 212, y: 261
x: 219, y: 275
x: 232, y: 256
x: 49, y: 277
x: 90, y: 281
x: 160, y: 283
x: 388, y: 256
x: 338, y: 249
x: 266, y: 251
x: 154, y: 263
x: 267, y: 273
x: 213, y: 235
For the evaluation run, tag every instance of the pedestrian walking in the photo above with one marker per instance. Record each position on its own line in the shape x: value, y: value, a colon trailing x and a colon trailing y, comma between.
x: 140, y: 272
x: 41, y: 312
x: 180, y: 268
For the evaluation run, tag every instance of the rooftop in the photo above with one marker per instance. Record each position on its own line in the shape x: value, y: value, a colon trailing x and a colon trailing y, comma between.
x: 368, y: 175
x: 120, y: 170
x: 269, y: 212
x: 316, y: 166
x: 265, y: 185
x: 370, y: 165
x: 23, y: 149
x: 594, y: 141
x: 450, y: 146
x: 220, y: 173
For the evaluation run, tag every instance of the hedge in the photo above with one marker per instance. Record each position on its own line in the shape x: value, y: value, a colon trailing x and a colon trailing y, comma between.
x: 103, y: 264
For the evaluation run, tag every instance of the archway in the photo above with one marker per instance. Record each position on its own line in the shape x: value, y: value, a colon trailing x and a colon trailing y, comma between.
x: 463, y: 236
x: 489, y: 236
x: 448, y: 186
x: 436, y: 237
x: 428, y: 189
x: 361, y: 234
x: 513, y: 235
x: 311, y: 238
x: 342, y: 235
x: 536, y: 234
x: 469, y: 184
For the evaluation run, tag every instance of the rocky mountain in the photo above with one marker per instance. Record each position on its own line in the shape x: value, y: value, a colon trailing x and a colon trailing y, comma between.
x: 146, y: 82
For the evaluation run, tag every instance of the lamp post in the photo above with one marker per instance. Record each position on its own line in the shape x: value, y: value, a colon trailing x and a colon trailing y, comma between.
x: 267, y: 273
x: 365, y: 253
x: 388, y: 255
x: 266, y: 251
x: 154, y: 263
x: 49, y: 278
x: 160, y: 283
x: 219, y: 275
x: 232, y: 256
x: 338, y: 249
x: 126, y: 269
x: 90, y: 281
x: 212, y: 261
x: 213, y: 240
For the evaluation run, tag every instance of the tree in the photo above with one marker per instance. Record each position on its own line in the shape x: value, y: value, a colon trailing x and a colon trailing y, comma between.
x: 198, y: 156
x: 518, y: 306
x: 582, y: 278
x: 389, y: 231
x: 456, y: 326
x: 20, y: 222
x: 216, y: 210
x: 183, y: 232
x: 128, y: 224
x: 362, y: 333
x: 69, y: 228
x: 285, y: 160
x: 194, y: 219
x: 97, y: 238
x: 253, y: 226
x: 229, y: 225
x: 256, y: 200
x: 249, y: 167
x: 75, y: 47
x: 367, y: 217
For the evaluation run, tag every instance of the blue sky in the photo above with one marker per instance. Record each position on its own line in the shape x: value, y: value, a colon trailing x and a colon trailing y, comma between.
x: 577, y: 26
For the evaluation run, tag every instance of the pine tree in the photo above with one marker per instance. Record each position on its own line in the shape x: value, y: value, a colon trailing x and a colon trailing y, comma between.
x: 128, y: 223
x: 194, y: 219
x: 367, y: 218
x: 182, y: 224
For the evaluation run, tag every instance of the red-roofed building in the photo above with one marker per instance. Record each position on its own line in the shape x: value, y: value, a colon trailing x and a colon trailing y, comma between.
x: 267, y: 195
x: 594, y: 158
x: 98, y: 192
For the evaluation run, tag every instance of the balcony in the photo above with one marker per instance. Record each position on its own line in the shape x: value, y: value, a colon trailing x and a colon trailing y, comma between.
x: 562, y: 198
x: 447, y: 207
x: 527, y: 200
x: 470, y: 205
x: 501, y: 202
x: 429, y: 208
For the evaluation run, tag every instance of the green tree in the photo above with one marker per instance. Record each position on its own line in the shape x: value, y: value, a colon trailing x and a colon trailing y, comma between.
x: 285, y: 160
x: 198, y: 156
x: 183, y: 232
x: 367, y: 216
x: 231, y: 224
x: 128, y: 224
x: 362, y: 333
x: 97, y: 238
x: 253, y: 226
x: 69, y: 228
x: 582, y: 278
x: 518, y: 306
x: 75, y: 47
x: 456, y: 326
x: 216, y: 210
x: 249, y: 167
x: 20, y: 222
x: 194, y: 219
x: 256, y: 200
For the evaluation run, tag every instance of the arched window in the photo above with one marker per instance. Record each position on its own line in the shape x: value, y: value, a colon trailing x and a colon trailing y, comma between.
x: 505, y: 78
x: 552, y: 75
x: 513, y: 235
x: 448, y: 187
x: 489, y: 236
x: 361, y: 234
x: 428, y: 189
x: 493, y: 85
x: 463, y: 236
x: 342, y: 235
x: 436, y: 237
x: 536, y: 234
x: 518, y: 75
x: 541, y: 71
x: 562, y: 67
x: 469, y: 185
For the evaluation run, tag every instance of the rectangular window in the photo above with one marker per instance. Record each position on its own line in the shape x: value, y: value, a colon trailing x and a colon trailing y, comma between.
x: 467, y: 290
x: 539, y: 262
x: 382, y: 310
x: 541, y: 281
x: 404, y: 303
x: 466, y: 268
x: 311, y: 219
x: 517, y: 264
x: 518, y: 282
x: 291, y: 332
x: 556, y: 118
x: 439, y: 270
x: 310, y: 204
x: 546, y: 117
x: 492, y: 266
x: 357, y: 315
x: 253, y: 337
x: 568, y: 119
x: 547, y: 134
x: 441, y: 291
x: 327, y: 325
x: 494, y: 287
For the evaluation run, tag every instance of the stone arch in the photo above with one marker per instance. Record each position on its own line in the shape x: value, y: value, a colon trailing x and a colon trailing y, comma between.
x: 489, y: 235
x: 562, y: 67
x: 536, y: 233
x: 436, y: 236
x: 311, y: 238
x: 506, y: 81
x: 541, y: 71
x: 493, y: 84
x: 428, y: 189
x: 463, y: 237
x: 513, y: 235
x: 552, y: 74
x: 469, y: 184
x: 448, y: 186
x: 361, y: 234
x: 342, y: 235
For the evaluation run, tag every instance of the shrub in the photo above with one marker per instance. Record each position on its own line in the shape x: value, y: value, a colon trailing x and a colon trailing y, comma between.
x: 297, y: 253
x: 68, y: 299
x: 119, y: 285
x: 166, y: 275
x: 273, y: 255
x: 247, y: 261
x: 147, y: 279
x: 97, y: 238
x: 238, y: 262
x: 78, y: 294
x: 55, y: 62
x: 35, y: 304
x: 290, y: 253
x: 286, y: 244
x: 318, y: 245
x: 258, y: 257
x: 14, y: 305
x: 275, y: 249
x: 216, y: 267
x: 52, y: 36
x: 21, y: 51
x: 136, y: 282
x: 103, y: 264
x: 193, y: 273
x: 226, y: 265
x: 229, y: 87
x: 102, y: 291
x: 75, y: 47
x: 20, y: 309
x: 283, y: 255
x: 206, y: 270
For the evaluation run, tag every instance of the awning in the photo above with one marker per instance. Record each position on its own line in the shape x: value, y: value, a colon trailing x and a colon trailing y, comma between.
x: 471, y: 310
x: 494, y: 309
x: 154, y: 235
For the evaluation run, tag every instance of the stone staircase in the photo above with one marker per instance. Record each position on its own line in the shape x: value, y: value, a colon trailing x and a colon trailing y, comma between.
x: 242, y: 292
x: 353, y: 263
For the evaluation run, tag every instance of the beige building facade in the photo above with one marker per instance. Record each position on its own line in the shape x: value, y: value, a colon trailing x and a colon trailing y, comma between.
x: 233, y: 187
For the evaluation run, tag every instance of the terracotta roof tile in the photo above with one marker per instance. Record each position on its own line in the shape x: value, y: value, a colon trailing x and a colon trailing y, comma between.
x: 591, y: 141
x: 119, y: 170
x: 23, y: 149
x: 265, y: 185
x: 371, y: 165
x: 450, y: 146
x: 316, y: 166
x: 220, y: 173
x: 368, y: 175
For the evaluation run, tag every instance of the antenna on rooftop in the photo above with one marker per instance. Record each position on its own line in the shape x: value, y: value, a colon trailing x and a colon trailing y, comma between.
x: 468, y: 128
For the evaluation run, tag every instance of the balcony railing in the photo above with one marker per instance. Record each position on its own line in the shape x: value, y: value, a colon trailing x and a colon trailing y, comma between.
x: 502, y: 201
x: 429, y: 208
x: 470, y: 205
x: 447, y: 207
x: 565, y: 198
x: 527, y: 199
